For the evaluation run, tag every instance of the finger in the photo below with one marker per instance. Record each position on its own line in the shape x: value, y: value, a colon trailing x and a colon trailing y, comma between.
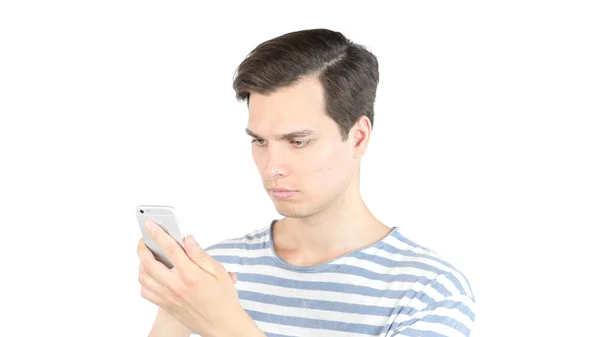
x: 151, y: 296
x: 143, y: 251
x: 152, y: 267
x: 172, y: 249
x: 233, y: 277
x: 150, y: 288
x: 150, y: 283
x: 200, y: 257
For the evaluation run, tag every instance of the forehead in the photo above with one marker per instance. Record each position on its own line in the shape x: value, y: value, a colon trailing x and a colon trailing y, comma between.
x: 299, y: 106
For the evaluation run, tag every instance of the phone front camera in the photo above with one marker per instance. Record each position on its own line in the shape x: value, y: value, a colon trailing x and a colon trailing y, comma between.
x: 142, y: 211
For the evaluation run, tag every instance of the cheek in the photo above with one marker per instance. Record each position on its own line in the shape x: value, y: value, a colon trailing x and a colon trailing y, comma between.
x: 258, y: 158
x: 329, y: 166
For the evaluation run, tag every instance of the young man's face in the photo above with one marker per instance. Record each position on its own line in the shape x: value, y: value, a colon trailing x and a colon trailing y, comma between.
x: 304, y: 164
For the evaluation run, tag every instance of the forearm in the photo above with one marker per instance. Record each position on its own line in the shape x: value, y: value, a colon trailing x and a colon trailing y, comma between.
x: 166, y: 325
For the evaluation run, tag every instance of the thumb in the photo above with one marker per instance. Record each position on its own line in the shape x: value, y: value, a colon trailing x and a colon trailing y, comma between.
x: 200, y: 257
x: 233, y: 277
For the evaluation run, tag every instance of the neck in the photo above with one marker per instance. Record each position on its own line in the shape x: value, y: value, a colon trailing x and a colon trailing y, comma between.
x: 344, y: 226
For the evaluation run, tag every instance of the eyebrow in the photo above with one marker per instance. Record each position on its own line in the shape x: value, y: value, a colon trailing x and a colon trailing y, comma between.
x: 294, y: 134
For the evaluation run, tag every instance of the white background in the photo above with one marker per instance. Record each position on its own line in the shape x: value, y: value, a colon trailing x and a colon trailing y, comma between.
x: 485, y: 148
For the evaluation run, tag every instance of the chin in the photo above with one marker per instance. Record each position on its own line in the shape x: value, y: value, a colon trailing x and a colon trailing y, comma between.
x: 295, y: 212
x: 295, y: 215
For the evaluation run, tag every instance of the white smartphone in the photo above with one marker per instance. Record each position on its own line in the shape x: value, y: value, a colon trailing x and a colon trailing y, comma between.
x: 166, y: 218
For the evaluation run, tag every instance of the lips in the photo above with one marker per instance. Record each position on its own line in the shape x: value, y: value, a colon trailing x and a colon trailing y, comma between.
x: 280, y: 190
x: 282, y: 193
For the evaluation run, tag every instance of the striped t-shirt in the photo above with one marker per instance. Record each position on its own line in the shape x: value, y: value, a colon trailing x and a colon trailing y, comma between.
x: 391, y: 288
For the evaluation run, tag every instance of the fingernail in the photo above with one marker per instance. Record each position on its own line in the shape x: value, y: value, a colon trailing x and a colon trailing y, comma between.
x: 193, y: 242
x: 150, y: 226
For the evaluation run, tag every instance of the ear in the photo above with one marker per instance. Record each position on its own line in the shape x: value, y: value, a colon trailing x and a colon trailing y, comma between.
x: 360, y: 134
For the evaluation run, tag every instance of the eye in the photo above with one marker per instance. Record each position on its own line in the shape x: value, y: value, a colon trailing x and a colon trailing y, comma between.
x: 259, y: 142
x: 300, y: 143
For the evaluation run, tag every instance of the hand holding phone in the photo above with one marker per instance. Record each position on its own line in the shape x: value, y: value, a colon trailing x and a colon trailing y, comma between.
x: 167, y: 219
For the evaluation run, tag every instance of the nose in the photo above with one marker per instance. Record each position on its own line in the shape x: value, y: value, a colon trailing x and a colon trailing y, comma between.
x: 275, y: 166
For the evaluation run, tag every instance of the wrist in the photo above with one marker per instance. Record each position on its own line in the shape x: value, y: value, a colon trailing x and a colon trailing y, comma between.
x: 247, y: 327
x: 167, y: 325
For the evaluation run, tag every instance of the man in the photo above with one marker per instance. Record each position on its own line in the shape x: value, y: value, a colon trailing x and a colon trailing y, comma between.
x: 328, y: 267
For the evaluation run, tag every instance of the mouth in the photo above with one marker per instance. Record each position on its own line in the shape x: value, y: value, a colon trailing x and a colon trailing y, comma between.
x: 282, y: 193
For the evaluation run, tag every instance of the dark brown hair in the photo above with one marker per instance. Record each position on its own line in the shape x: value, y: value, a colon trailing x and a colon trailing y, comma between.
x: 348, y: 72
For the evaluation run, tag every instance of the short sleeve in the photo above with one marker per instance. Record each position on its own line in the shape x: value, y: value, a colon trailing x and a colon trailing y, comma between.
x: 450, y: 317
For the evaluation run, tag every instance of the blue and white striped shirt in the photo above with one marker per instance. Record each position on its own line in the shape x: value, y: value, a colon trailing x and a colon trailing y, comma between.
x: 391, y: 288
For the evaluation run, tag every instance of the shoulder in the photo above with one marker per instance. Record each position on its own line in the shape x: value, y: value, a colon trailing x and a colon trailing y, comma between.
x: 234, y: 249
x: 442, y: 300
x: 435, y: 270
